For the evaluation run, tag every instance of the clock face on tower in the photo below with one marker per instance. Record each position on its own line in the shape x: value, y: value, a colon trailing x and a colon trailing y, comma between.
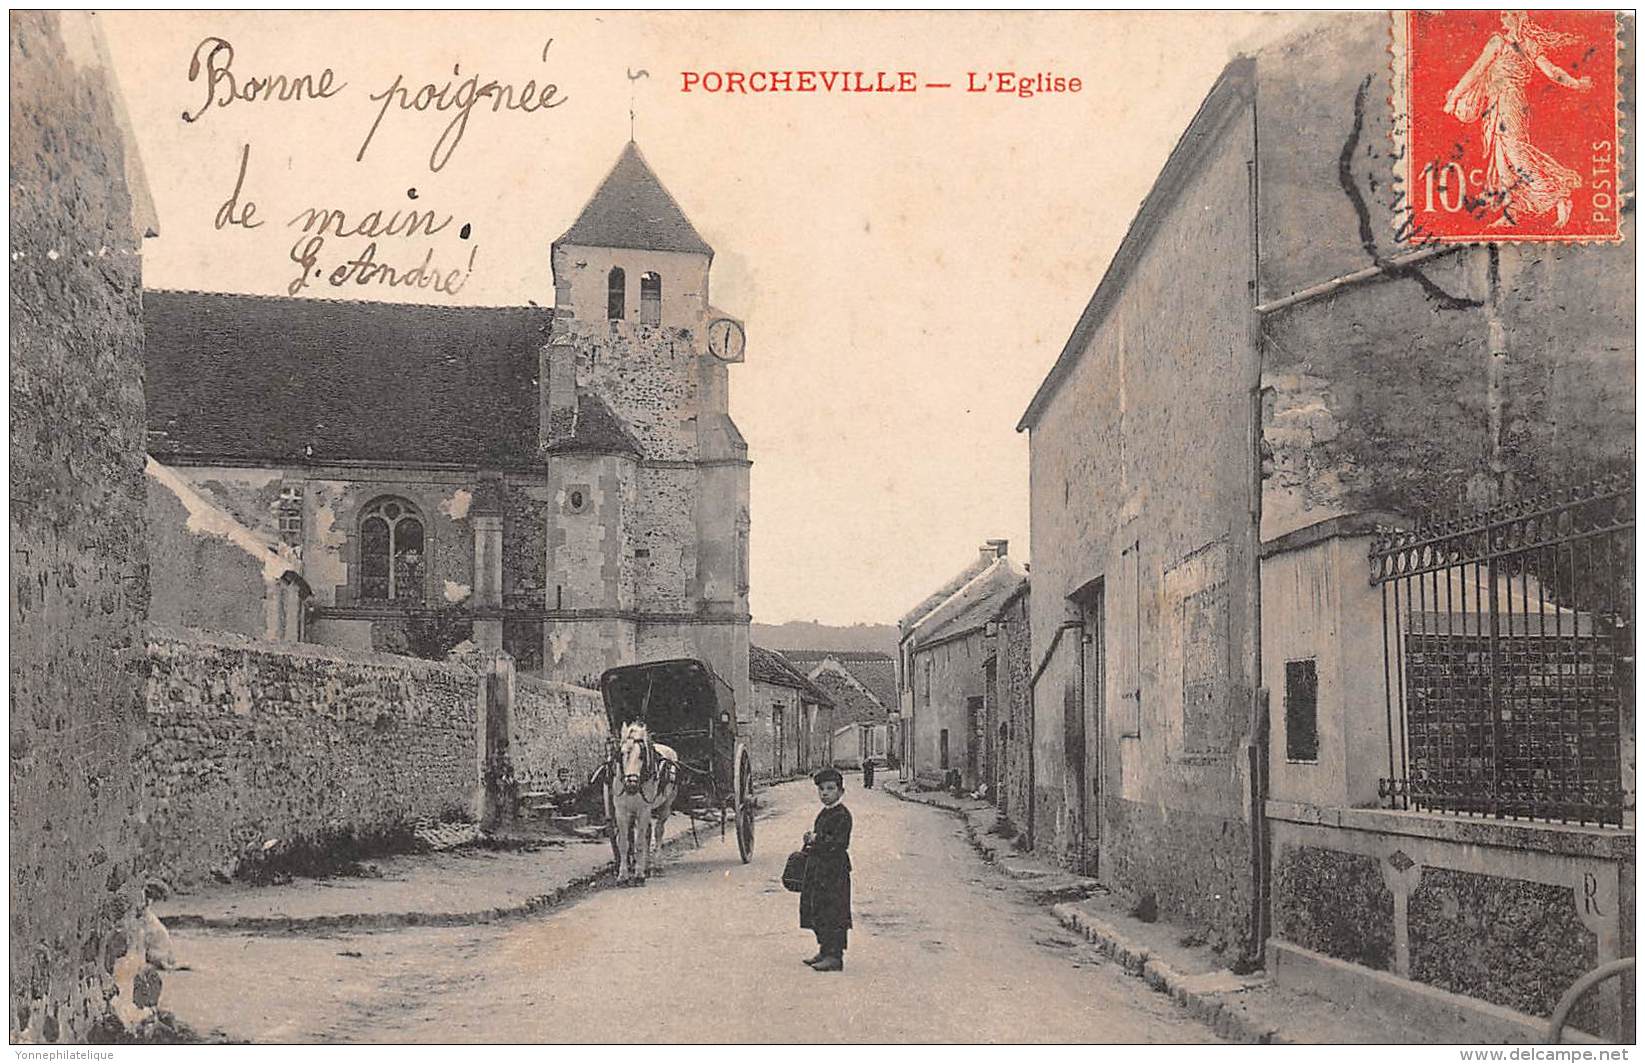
x: 726, y: 339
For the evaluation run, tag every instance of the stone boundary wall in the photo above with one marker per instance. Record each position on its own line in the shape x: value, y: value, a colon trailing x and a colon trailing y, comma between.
x: 557, y: 735
x: 250, y: 741
x: 1508, y: 913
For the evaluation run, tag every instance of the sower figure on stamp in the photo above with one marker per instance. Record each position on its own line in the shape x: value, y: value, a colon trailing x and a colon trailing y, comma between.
x: 1520, y: 178
x: 825, y: 900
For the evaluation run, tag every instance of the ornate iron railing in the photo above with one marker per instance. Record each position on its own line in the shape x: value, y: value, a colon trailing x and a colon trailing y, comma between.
x: 1508, y: 650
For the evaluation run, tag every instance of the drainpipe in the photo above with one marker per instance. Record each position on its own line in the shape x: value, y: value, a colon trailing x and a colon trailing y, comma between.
x: 1086, y: 776
x: 1496, y: 373
x: 1257, y: 735
x: 1033, y: 792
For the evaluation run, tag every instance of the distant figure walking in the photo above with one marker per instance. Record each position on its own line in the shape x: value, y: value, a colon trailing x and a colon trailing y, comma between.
x: 1520, y: 178
x: 825, y: 900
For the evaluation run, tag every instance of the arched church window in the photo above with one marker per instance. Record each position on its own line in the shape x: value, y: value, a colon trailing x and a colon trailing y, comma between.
x: 616, y: 293
x: 651, y: 299
x: 393, y: 559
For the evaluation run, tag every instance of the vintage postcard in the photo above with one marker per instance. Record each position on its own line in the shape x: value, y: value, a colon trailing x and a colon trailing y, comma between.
x: 822, y: 528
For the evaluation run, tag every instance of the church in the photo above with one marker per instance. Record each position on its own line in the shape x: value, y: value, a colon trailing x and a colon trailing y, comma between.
x: 566, y: 485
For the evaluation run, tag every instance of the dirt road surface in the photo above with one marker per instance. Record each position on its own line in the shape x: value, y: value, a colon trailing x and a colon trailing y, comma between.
x: 945, y: 949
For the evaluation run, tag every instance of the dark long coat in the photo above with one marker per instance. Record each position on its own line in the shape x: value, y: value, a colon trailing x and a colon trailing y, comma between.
x: 825, y: 900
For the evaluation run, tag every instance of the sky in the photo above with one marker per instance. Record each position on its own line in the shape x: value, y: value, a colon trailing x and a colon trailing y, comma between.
x: 907, y: 265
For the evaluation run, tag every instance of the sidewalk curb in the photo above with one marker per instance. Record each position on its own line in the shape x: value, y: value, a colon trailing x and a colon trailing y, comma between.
x: 386, y: 921
x: 1218, y: 1010
x: 577, y: 885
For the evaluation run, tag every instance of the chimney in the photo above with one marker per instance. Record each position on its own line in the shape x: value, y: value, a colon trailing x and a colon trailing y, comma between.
x: 996, y: 548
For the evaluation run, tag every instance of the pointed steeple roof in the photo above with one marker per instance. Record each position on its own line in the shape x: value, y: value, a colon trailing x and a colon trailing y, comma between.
x: 631, y: 209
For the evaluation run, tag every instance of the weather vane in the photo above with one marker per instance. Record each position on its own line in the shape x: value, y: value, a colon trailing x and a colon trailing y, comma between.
x: 633, y: 76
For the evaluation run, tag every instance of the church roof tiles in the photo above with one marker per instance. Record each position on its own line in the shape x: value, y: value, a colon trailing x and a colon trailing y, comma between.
x: 260, y: 378
x: 631, y: 209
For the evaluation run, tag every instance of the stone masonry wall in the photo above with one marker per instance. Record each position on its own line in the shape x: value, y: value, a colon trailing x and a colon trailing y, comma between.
x: 664, y: 529
x: 557, y: 735
x: 1379, y: 395
x: 79, y: 587
x: 527, y: 510
x: 1015, y: 667
x: 647, y: 374
x: 250, y: 741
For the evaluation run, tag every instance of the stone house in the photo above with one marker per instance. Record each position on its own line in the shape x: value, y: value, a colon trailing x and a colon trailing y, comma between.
x: 565, y: 484
x: 1008, y: 710
x: 902, y: 715
x: 1215, y: 718
x: 874, y: 670
x: 863, y: 685
x: 80, y: 211
x: 788, y: 719
x: 859, y: 732
x: 943, y: 653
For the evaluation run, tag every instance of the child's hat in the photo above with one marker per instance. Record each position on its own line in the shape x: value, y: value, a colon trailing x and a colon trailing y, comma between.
x: 828, y: 775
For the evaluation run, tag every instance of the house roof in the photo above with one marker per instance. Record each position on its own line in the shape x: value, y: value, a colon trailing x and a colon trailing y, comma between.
x: 632, y: 209
x: 264, y: 378
x: 939, y: 596
x: 851, y: 703
x: 1233, y: 87
x: 871, y: 668
x: 879, y: 676
x: 768, y: 666
x: 973, y: 605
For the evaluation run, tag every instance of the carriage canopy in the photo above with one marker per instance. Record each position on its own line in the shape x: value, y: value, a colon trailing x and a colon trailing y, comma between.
x: 682, y: 702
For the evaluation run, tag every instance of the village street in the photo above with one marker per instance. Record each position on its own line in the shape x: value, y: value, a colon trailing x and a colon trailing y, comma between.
x: 709, y: 950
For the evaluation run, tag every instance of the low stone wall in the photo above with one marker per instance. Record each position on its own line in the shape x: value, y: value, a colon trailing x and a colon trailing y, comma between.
x: 1507, y: 913
x: 557, y: 735
x: 251, y: 741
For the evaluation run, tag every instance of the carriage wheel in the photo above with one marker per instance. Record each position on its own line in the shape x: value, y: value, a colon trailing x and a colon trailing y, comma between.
x: 745, y: 807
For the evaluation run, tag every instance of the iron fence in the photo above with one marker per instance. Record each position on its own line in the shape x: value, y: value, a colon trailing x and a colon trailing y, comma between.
x: 1508, y: 650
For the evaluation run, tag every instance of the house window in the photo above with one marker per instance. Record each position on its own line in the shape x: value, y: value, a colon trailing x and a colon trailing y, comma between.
x: 942, y: 750
x: 616, y: 293
x: 651, y: 299
x: 291, y: 516
x: 393, y: 558
x: 1301, y: 711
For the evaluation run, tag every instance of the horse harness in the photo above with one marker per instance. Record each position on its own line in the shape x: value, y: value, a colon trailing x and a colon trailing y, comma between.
x: 653, y: 767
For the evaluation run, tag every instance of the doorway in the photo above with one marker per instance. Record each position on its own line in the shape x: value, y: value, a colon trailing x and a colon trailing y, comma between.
x: 974, y: 737
x: 1083, y: 707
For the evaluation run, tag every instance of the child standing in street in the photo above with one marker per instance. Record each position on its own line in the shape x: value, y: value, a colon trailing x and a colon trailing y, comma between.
x: 825, y: 900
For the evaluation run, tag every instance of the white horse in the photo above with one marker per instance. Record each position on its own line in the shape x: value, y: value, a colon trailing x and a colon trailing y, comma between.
x: 641, y: 782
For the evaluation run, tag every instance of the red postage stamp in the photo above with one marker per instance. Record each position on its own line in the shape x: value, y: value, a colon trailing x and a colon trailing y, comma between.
x: 1509, y: 125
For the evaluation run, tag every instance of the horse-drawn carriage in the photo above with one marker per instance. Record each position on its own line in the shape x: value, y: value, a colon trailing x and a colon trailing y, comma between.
x: 673, y: 732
